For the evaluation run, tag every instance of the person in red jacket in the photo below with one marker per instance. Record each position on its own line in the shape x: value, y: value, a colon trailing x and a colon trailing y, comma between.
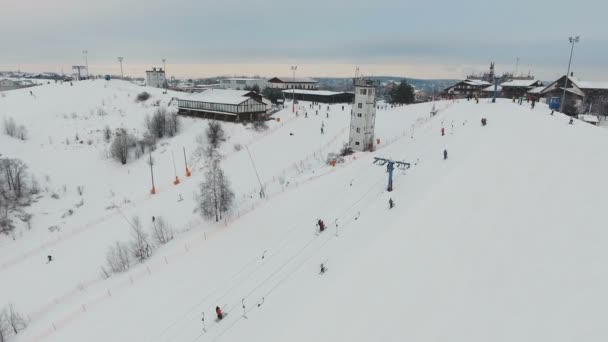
x: 321, y: 225
x: 442, y: 131
x: 219, y: 313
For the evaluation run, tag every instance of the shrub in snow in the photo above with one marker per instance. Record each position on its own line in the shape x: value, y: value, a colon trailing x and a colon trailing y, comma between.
x: 118, y: 257
x: 107, y: 133
x: 13, y: 130
x: 215, y: 134
x: 101, y: 112
x: 10, y: 127
x: 141, y: 248
x: 120, y: 146
x: 15, y: 319
x: 143, y: 96
x: 27, y: 219
x: 260, y: 125
x: 161, y: 232
x: 21, y: 133
x: 6, y: 223
x: 238, y: 147
x: 163, y: 123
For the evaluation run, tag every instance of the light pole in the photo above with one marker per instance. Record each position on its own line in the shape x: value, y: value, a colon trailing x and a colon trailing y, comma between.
x: 120, y: 59
x: 86, y: 61
x: 293, y: 88
x: 572, y: 41
x: 165, y: 69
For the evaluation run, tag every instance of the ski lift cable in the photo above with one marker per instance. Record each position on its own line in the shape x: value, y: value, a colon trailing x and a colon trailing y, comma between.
x: 293, y: 270
x: 271, y: 251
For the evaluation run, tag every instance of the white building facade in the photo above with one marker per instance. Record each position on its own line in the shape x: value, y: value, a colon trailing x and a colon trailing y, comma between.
x: 363, y: 115
x: 242, y: 83
x: 156, y: 78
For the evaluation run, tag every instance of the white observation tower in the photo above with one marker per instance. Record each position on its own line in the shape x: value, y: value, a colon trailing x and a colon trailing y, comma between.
x: 363, y: 115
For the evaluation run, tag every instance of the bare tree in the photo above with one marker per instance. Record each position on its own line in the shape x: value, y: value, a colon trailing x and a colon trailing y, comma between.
x: 4, y: 328
x: 14, y: 182
x: 215, y: 134
x: 161, y: 232
x: 15, y: 319
x: 120, y: 146
x: 158, y: 122
x: 10, y: 127
x: 163, y: 123
x: 118, y: 257
x: 215, y: 197
x: 140, y: 244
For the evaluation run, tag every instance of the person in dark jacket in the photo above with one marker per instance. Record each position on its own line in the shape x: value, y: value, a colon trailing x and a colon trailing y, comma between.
x: 445, y: 154
x: 321, y: 225
x: 391, y: 204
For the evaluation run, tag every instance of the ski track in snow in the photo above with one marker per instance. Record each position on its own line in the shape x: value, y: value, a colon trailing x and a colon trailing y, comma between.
x: 410, y: 261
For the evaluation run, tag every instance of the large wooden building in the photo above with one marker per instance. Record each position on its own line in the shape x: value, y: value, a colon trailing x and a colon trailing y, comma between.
x: 580, y: 95
x: 293, y: 83
x: 518, y: 88
x: 224, y: 104
x: 467, y: 88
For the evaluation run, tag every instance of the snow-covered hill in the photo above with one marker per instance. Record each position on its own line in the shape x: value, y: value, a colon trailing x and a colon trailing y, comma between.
x: 503, y: 241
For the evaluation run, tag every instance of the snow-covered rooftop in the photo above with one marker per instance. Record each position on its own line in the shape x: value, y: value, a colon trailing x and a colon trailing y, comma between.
x: 592, y: 84
x: 477, y: 82
x: 226, y: 96
x: 519, y: 83
x: 536, y: 90
x: 491, y: 89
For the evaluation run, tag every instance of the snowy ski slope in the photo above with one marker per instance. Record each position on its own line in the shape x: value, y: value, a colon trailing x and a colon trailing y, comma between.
x: 503, y: 241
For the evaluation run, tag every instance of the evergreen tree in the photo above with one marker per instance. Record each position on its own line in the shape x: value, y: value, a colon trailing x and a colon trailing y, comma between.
x: 273, y: 94
x: 403, y: 93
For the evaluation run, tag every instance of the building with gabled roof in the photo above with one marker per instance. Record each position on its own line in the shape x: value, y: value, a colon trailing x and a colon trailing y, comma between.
x: 467, y: 88
x: 518, y: 88
x: 223, y: 104
x: 293, y: 83
x: 579, y: 94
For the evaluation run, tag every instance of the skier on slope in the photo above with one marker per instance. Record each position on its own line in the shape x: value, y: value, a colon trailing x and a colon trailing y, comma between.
x: 442, y: 131
x: 219, y: 313
x: 323, y: 269
x: 321, y: 225
x: 445, y: 154
x: 391, y: 204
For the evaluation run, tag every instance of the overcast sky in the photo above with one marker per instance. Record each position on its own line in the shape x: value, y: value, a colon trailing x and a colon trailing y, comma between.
x: 422, y: 39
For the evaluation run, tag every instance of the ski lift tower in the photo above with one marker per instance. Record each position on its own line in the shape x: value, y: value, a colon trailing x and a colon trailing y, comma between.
x: 390, y: 167
x: 363, y: 115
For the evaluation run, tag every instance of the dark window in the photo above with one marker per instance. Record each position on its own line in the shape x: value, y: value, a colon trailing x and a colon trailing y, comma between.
x: 360, y: 105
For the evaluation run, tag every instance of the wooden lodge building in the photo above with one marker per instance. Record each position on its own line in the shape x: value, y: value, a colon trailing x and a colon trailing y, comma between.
x: 518, y: 88
x: 224, y: 104
x: 579, y: 94
x: 321, y: 96
x: 467, y: 88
